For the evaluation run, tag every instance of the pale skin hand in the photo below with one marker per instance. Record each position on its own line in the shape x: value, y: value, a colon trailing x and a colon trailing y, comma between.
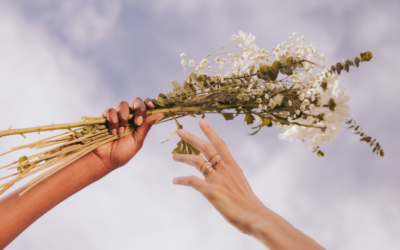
x: 228, y: 190
x: 18, y: 212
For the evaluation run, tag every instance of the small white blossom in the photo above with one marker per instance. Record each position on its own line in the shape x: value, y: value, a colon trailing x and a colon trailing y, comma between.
x: 191, y: 63
x: 183, y: 62
x: 294, y: 33
x: 183, y: 55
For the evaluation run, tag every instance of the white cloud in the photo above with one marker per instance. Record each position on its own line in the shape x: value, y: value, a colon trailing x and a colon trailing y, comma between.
x: 340, y: 201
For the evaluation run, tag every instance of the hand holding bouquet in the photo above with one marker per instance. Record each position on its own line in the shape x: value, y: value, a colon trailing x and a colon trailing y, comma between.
x: 278, y: 88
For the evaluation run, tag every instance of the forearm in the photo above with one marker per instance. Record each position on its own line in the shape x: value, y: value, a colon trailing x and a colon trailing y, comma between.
x: 276, y: 233
x: 19, y: 212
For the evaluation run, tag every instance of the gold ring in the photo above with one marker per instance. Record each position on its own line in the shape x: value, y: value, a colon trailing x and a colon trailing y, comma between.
x: 216, y: 162
x: 207, y: 170
x: 202, y: 165
x: 212, y: 156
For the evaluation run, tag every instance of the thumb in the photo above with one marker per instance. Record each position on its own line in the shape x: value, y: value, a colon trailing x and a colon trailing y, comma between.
x: 140, y: 132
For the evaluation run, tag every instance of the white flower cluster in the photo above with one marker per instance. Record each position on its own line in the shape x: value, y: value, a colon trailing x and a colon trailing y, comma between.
x: 334, y: 109
x: 320, y: 104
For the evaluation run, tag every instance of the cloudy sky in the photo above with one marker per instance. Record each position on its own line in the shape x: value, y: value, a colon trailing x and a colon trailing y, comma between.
x: 60, y: 60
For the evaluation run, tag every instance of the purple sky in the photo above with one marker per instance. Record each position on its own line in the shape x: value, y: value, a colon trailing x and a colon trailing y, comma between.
x: 60, y: 60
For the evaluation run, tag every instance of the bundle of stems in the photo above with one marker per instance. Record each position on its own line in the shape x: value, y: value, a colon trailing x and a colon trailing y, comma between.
x: 307, y: 107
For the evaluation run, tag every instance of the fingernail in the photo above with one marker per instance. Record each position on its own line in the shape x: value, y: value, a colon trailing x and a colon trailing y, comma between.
x: 139, y: 120
x: 114, y: 131
x: 175, y: 181
x: 204, y: 121
x: 121, y: 130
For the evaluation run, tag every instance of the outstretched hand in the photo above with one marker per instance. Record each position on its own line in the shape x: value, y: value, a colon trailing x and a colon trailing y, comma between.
x: 119, y: 152
x: 225, y: 187
x: 228, y: 190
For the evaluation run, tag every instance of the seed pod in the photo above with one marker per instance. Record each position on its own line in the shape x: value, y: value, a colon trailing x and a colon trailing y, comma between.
x: 357, y: 61
x: 333, y: 68
x: 339, y: 67
x: 350, y: 62
x: 347, y: 67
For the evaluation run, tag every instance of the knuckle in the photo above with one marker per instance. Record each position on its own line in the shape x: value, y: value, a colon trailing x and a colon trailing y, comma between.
x: 191, y: 180
x: 210, y: 193
x: 208, y: 148
x: 219, y: 143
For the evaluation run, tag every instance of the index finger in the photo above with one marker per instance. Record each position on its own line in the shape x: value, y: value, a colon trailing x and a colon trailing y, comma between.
x: 216, y: 141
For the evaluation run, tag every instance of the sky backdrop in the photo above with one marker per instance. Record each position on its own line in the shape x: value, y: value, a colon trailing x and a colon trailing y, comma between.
x: 60, y: 60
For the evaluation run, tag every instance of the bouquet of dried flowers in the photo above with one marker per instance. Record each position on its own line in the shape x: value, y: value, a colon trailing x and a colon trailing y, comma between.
x: 277, y: 88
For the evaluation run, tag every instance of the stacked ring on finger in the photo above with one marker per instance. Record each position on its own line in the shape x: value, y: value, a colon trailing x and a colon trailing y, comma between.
x: 208, y: 169
x: 216, y: 162
x: 202, y: 165
x: 212, y: 157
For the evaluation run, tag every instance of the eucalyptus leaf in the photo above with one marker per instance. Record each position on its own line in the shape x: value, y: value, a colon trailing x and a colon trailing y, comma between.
x: 264, y: 69
x: 274, y: 67
x: 273, y: 76
x: 289, y: 61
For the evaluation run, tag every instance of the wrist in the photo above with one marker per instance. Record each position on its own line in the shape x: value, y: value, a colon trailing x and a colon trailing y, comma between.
x: 99, y: 167
x: 267, y: 225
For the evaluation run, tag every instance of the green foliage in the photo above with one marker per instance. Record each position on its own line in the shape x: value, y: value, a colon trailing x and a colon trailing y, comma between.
x: 265, y: 122
x: 273, y: 76
x: 275, y: 67
x: 289, y: 61
x: 367, y: 139
x: 185, y: 148
x: 264, y: 69
x: 366, y: 56
x: 286, y: 70
x: 249, y: 118
x: 22, y: 159
x: 228, y: 116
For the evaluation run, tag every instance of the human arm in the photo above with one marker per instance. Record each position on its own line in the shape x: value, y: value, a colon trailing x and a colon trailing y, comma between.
x: 19, y: 212
x: 228, y: 190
